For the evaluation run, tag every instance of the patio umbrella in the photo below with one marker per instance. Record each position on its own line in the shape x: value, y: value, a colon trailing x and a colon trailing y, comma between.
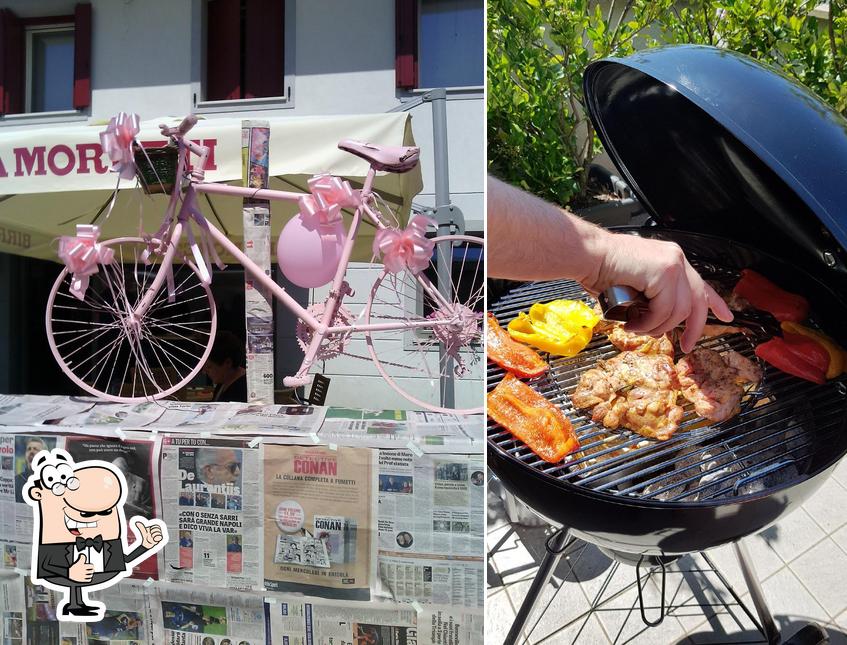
x: 55, y: 177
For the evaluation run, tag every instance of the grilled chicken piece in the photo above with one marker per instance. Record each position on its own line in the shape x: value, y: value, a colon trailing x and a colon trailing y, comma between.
x: 634, y: 390
x: 713, y: 381
x: 627, y: 341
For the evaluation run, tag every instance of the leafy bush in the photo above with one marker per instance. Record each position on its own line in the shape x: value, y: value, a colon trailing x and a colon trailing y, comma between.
x: 539, y: 136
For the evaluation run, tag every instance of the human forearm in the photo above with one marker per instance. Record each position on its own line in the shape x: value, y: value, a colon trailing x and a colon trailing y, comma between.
x: 530, y: 239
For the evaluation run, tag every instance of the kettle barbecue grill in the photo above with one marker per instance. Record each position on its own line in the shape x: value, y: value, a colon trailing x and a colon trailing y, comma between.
x: 742, y: 168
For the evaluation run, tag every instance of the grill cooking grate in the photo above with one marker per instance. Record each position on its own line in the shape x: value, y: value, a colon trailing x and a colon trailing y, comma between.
x: 783, y: 424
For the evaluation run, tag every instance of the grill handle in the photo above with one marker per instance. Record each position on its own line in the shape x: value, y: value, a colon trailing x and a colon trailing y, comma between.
x: 649, y: 623
x: 761, y: 472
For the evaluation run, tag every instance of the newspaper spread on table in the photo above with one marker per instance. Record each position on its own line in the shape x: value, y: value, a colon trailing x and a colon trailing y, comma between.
x: 285, y: 420
x: 319, y: 520
x: 40, y: 624
x: 441, y: 432
x: 336, y: 522
x: 16, y: 454
x: 129, y: 616
x: 451, y: 626
x: 137, y: 459
x: 194, y: 616
x: 17, y: 410
x: 179, y: 416
x: 211, y: 500
x: 307, y: 621
x: 374, y: 428
x: 12, y: 608
x: 103, y: 417
x: 431, y: 527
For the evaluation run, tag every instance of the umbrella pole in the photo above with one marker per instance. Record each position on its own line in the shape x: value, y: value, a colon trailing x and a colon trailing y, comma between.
x: 445, y: 216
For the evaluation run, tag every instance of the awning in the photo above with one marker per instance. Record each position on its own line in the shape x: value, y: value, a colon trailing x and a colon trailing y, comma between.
x: 53, y: 178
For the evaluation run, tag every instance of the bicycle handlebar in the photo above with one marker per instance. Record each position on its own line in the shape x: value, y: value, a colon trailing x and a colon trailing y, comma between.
x: 178, y: 133
x: 182, y: 129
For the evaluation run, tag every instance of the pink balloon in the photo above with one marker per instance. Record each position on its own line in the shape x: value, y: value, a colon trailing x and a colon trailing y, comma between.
x: 308, y: 252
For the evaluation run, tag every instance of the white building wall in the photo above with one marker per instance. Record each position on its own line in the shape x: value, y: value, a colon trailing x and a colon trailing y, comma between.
x: 147, y: 57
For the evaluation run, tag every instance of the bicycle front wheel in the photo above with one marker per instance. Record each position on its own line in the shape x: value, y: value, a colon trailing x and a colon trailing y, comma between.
x: 435, y: 359
x: 106, y: 352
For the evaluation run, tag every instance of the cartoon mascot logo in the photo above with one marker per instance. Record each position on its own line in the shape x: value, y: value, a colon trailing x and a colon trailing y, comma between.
x: 78, y: 537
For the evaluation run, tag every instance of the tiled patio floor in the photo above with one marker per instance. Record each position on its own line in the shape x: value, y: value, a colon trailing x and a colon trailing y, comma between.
x: 801, y: 563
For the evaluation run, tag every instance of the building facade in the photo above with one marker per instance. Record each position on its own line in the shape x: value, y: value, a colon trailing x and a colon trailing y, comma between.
x: 71, y: 63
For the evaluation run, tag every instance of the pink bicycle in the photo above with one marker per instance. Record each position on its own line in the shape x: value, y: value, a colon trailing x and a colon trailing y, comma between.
x: 128, y: 321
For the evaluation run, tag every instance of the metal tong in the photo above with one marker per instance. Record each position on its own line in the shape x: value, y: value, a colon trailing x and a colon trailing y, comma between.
x: 622, y: 304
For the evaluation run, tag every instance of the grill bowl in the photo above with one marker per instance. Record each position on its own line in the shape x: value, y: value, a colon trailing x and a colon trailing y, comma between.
x: 787, y: 440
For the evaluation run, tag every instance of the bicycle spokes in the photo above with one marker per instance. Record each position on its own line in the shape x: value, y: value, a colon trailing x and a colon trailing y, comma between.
x: 109, y: 349
x: 440, y: 309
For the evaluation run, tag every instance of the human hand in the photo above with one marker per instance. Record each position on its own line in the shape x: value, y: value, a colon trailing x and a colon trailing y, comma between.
x: 150, y: 535
x: 81, y: 571
x: 659, y: 270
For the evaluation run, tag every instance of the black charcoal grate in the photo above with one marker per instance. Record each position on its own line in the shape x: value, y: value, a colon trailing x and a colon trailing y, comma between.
x: 783, y: 426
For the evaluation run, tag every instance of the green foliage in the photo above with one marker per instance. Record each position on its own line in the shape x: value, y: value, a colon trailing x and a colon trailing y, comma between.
x: 539, y: 136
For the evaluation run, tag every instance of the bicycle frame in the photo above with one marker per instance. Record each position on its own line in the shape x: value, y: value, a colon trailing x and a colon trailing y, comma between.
x: 321, y: 327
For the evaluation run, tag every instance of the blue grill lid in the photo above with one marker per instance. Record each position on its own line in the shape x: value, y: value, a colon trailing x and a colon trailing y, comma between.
x: 714, y: 142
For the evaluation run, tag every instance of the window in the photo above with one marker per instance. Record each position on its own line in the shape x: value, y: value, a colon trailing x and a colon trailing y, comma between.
x: 49, y: 68
x: 45, y: 62
x: 245, y: 49
x: 440, y: 43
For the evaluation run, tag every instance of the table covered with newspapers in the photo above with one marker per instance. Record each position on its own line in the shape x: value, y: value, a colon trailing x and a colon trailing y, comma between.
x: 286, y: 524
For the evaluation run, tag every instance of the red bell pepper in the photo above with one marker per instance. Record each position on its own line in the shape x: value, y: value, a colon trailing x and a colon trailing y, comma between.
x: 511, y: 355
x: 765, y: 295
x: 808, y: 349
x: 783, y: 357
x: 530, y: 417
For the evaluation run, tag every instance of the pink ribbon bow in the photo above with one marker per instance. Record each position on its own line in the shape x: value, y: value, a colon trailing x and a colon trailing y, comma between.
x: 117, y: 140
x: 82, y: 254
x: 329, y: 195
x: 406, y: 248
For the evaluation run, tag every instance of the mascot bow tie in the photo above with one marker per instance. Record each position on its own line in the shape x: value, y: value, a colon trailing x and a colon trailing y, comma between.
x: 85, y: 543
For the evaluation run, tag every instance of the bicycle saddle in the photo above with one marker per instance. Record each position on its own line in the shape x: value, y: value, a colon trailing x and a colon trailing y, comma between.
x: 390, y: 158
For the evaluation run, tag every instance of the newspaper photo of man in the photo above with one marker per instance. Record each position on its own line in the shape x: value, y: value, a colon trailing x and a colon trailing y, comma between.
x: 218, y: 466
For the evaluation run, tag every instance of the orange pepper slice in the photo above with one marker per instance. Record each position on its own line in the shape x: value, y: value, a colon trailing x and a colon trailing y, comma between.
x: 533, y: 419
x: 511, y: 355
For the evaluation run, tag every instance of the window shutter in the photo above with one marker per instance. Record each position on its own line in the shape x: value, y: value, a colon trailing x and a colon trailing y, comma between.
x: 223, y: 50
x: 82, y: 56
x: 11, y: 63
x: 406, y: 52
x: 264, y: 68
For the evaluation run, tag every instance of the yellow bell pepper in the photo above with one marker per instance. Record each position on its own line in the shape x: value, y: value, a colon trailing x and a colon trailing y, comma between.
x: 837, y: 355
x: 560, y: 327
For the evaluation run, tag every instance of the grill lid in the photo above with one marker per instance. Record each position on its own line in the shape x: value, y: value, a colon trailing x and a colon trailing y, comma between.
x: 712, y: 141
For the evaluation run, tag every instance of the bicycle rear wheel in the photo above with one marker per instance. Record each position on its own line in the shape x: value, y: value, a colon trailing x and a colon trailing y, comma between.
x: 420, y: 363
x: 102, y: 350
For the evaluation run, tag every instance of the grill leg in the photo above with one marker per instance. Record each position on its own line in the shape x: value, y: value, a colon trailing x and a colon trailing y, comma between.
x: 758, y: 597
x: 556, y: 545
